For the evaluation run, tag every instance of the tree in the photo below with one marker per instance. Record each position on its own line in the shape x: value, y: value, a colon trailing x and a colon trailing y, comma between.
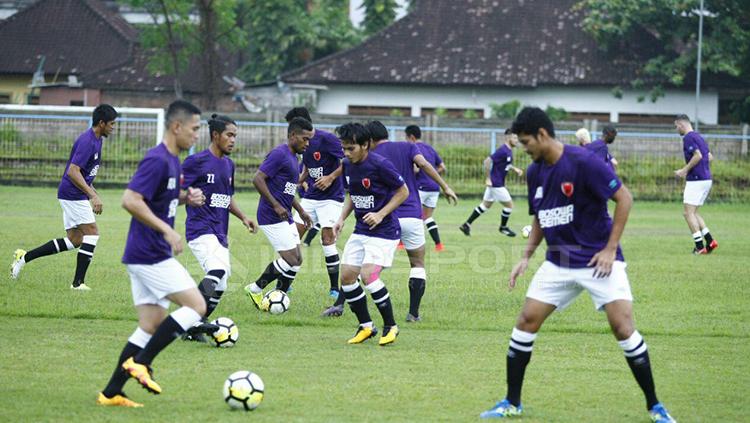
x: 507, y: 110
x: 674, y: 26
x: 378, y: 15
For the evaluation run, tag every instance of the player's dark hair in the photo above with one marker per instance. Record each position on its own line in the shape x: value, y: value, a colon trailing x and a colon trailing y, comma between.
x: 682, y: 117
x: 353, y: 133
x: 377, y: 130
x: 508, y: 131
x: 180, y: 110
x: 530, y: 120
x: 297, y: 125
x: 103, y: 112
x: 298, y: 112
x: 218, y: 123
x: 414, y: 131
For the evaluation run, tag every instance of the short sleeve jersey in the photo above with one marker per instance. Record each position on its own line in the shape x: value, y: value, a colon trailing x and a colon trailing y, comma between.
x: 401, y: 155
x: 86, y: 154
x: 322, y: 157
x: 692, y: 142
x: 215, y: 177
x: 157, y: 180
x: 424, y: 182
x: 502, y: 160
x: 282, y: 168
x: 371, y: 184
x: 569, y: 198
x: 600, y: 150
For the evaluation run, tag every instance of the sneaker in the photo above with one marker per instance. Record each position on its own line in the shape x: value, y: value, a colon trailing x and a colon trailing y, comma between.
x: 659, y: 414
x: 195, y: 337
x: 363, y: 334
x: 410, y: 318
x: 119, y: 400
x: 389, y: 336
x: 333, y: 311
x: 334, y: 293
x: 142, y: 374
x: 507, y: 231
x: 80, y: 286
x: 698, y: 252
x: 502, y: 409
x: 199, y: 331
x: 466, y: 229
x: 18, y: 262
x: 256, y: 298
x: 400, y: 245
x: 439, y: 247
x: 712, y: 246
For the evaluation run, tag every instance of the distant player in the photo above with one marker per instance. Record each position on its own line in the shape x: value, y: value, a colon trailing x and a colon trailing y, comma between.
x: 429, y: 191
x: 324, y: 196
x: 568, y: 196
x: 206, y: 228
x: 496, y: 167
x: 599, y: 147
x: 276, y: 181
x: 78, y: 199
x: 301, y: 190
x: 375, y: 191
x: 156, y: 277
x: 697, y: 173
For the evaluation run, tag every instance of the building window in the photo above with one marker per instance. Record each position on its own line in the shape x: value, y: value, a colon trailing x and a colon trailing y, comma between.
x: 32, y: 99
x: 76, y: 102
x: 5, y: 98
x: 380, y: 110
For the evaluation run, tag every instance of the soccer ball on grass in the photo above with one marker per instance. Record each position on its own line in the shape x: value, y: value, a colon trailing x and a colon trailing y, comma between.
x: 227, y: 334
x: 275, y: 302
x: 243, y: 390
x: 526, y: 231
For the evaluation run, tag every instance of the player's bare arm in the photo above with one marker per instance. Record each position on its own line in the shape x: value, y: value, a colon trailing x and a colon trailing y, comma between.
x: 374, y: 218
x: 535, y: 238
x: 259, y: 181
x: 193, y: 197
x: 697, y: 156
x: 302, y: 213
x: 75, y: 175
x: 487, y: 166
x: 602, y: 261
x: 430, y: 171
x: 326, y: 181
x: 345, y: 212
x: 134, y: 203
x: 250, y: 224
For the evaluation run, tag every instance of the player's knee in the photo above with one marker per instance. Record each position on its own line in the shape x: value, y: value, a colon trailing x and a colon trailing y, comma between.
x: 528, y: 322
x: 623, y: 328
x: 76, y: 239
x: 327, y: 236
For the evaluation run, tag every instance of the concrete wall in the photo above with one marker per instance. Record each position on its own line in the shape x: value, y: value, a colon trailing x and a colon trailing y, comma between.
x: 63, y: 96
x: 17, y: 86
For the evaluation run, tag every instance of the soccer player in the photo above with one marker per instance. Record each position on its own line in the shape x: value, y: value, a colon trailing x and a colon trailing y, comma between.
x: 429, y: 191
x: 156, y: 277
x: 697, y: 173
x: 212, y: 171
x: 496, y: 167
x: 568, y: 196
x: 276, y: 181
x: 599, y: 147
x: 78, y: 199
x: 324, y: 197
x: 375, y: 191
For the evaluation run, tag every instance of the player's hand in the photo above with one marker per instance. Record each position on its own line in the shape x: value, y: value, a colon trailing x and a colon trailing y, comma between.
x: 250, y: 224
x: 372, y: 219
x: 195, y: 197
x: 174, y: 240
x: 602, y: 262
x: 307, y: 219
x: 518, y: 270
x: 281, y: 212
x: 337, y: 227
x: 488, y: 182
x: 519, y: 171
x: 451, y: 196
x: 680, y: 173
x: 324, y: 182
x: 305, y: 186
x: 96, y: 204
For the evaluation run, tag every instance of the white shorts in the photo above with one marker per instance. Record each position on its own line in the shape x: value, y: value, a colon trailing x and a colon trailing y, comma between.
x: 283, y: 236
x: 412, y: 232
x: 559, y: 286
x: 429, y: 198
x: 696, y: 192
x: 151, y: 283
x: 76, y: 212
x: 209, y: 252
x: 323, y: 212
x: 361, y: 249
x: 497, y: 194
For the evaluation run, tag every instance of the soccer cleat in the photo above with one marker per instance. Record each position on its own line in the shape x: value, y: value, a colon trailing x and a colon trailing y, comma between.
x: 18, y: 262
x: 363, y: 334
x: 198, y: 331
x: 333, y: 311
x: 119, y: 400
x: 142, y: 374
x: 80, y: 286
x: 256, y: 298
x: 712, y: 246
x: 389, y: 336
x: 334, y: 293
x: 195, y: 337
x: 466, y: 229
x: 502, y: 409
x: 698, y: 252
x: 410, y: 318
x: 400, y: 245
x: 439, y: 247
x: 507, y: 231
x: 659, y: 414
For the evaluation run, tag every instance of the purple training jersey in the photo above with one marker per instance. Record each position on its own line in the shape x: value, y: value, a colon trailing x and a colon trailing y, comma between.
x: 569, y: 198
x: 502, y: 160
x: 424, y: 182
x: 86, y: 154
x: 401, y: 154
x: 600, y: 150
x: 690, y: 143
x: 157, y: 180
x: 282, y: 168
x: 322, y: 157
x: 371, y: 184
x: 215, y: 177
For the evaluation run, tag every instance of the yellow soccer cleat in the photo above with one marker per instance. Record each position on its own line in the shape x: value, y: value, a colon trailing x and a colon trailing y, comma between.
x: 363, y: 334
x: 117, y: 401
x: 18, y: 262
x: 256, y: 298
x: 142, y: 374
x: 389, y: 336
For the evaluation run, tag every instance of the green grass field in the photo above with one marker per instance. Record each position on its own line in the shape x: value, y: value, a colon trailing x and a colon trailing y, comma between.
x: 59, y: 347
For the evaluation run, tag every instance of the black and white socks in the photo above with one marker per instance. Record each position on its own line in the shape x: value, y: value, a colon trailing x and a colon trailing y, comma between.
x: 85, y: 254
x: 52, y: 247
x: 504, y: 216
x: 417, y: 283
x: 478, y: 211
x: 519, y: 354
x: 432, y: 228
x: 382, y: 300
x: 636, y: 353
x: 212, y: 287
x: 173, y: 326
x: 332, y: 265
x: 135, y: 344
